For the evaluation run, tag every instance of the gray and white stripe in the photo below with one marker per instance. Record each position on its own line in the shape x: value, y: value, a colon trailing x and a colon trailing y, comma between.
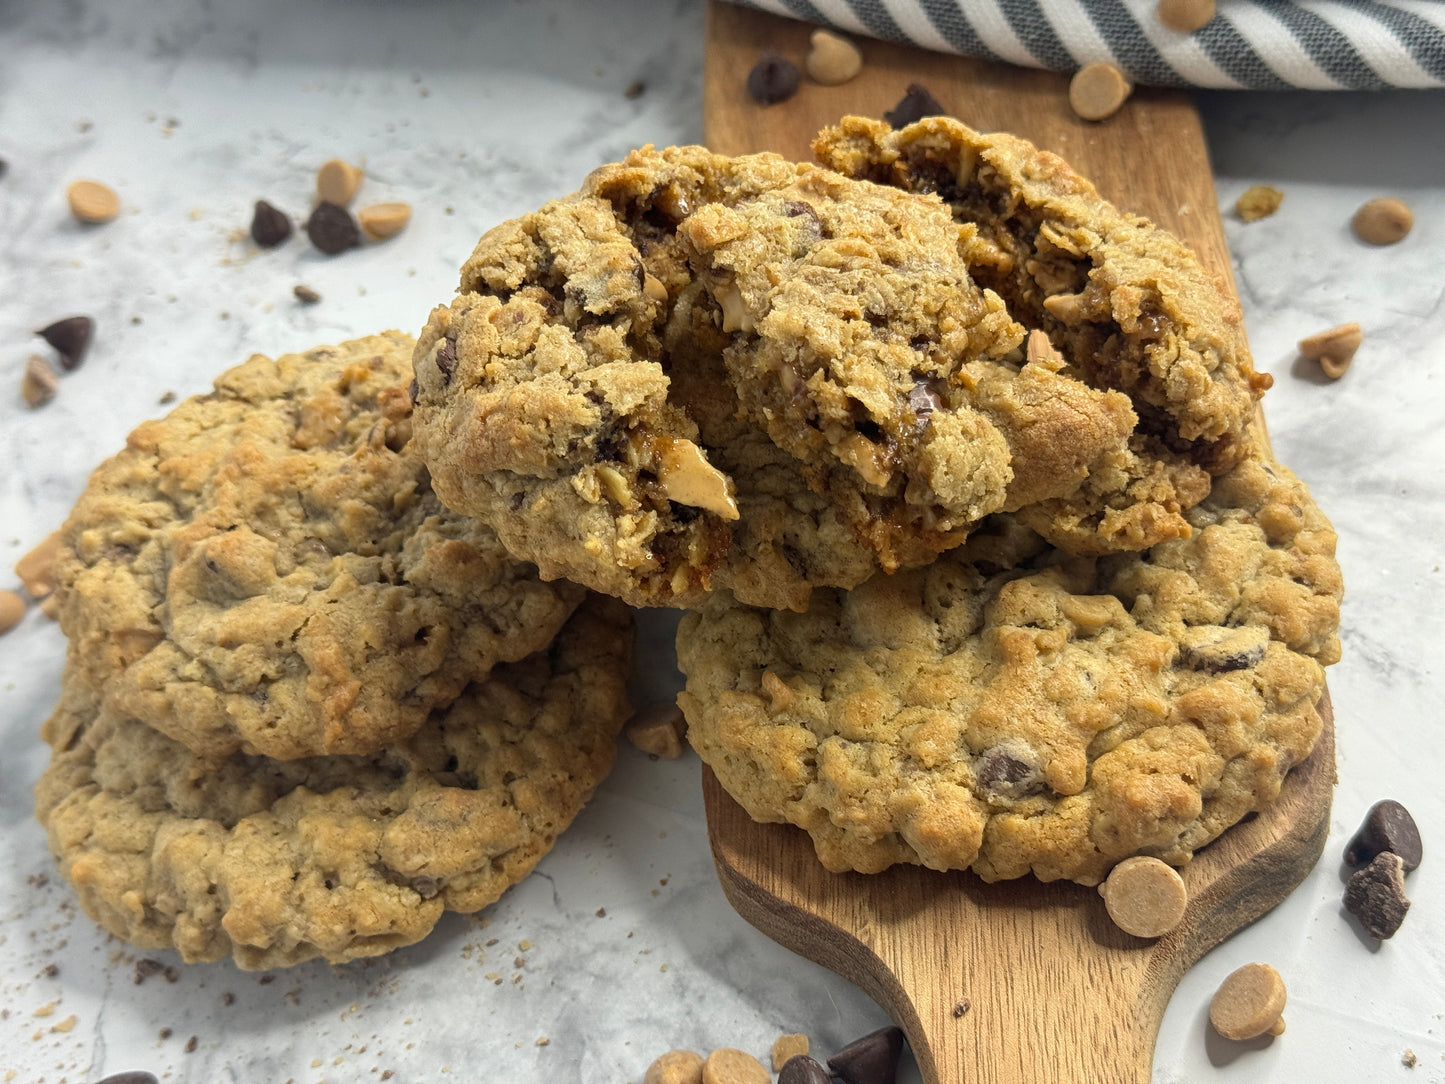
x: 1249, y: 44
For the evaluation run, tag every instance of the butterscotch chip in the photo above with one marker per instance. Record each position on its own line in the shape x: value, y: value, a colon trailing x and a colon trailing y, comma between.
x: 1258, y: 201
x: 1382, y: 221
x: 91, y: 201
x: 40, y: 382
x: 1144, y: 896
x: 1098, y: 90
x: 37, y: 568
x: 382, y: 220
x: 675, y: 1067
x: 787, y: 1046
x: 1185, y: 16
x: 1334, y: 349
x: 729, y: 1066
x: 658, y: 730
x: 12, y: 610
x: 833, y: 59
x: 337, y: 182
x: 1249, y: 1003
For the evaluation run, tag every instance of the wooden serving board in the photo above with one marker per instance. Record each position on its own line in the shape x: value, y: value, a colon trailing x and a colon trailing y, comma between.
x: 1056, y: 993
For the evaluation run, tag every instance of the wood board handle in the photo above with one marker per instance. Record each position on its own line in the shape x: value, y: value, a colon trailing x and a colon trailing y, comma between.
x: 1054, y: 991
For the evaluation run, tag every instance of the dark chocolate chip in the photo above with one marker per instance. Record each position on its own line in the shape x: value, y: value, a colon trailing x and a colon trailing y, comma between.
x: 413, y: 390
x: 801, y: 1069
x: 447, y: 359
x: 305, y: 294
x: 1388, y: 827
x: 332, y: 229
x: 915, y: 104
x: 923, y: 401
x: 773, y: 79
x: 134, y: 1076
x: 872, y: 1059
x: 1003, y: 772
x: 1376, y: 895
x: 269, y: 226
x: 1217, y: 649
x: 70, y: 338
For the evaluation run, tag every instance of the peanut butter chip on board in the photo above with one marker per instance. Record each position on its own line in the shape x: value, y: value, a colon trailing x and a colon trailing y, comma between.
x: 675, y: 1067
x: 1098, y: 90
x: 832, y: 59
x: 728, y: 1066
x: 1249, y: 1003
x: 91, y: 201
x: 1333, y: 349
x: 337, y: 182
x: 1144, y: 896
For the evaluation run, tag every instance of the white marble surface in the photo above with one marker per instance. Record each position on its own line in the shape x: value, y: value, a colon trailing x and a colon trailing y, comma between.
x: 473, y: 111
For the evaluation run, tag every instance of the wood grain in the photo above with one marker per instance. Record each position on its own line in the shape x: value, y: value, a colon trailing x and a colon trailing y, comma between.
x: 1056, y: 992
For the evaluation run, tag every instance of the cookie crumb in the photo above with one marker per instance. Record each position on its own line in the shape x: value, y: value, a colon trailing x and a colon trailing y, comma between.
x: 1408, y: 1059
x: 1144, y: 896
x: 1258, y: 201
x: 773, y: 79
x: 166, y: 398
x: 92, y: 202
x: 1333, y: 349
x: 1382, y: 221
x: 305, y: 294
x: 601, y: 912
x: 961, y: 1007
x: 37, y: 568
x: 787, y: 1046
x: 1098, y: 90
x: 635, y: 89
x: 658, y: 730
x: 1248, y: 1003
x: 68, y: 1024
x: 40, y: 382
x: 337, y: 182
x: 833, y: 59
x: 1185, y: 16
x: 542, y: 1040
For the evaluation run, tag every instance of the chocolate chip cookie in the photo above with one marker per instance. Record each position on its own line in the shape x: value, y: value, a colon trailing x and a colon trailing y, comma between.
x: 274, y: 862
x: 851, y: 332
x: 267, y: 569
x: 1126, y: 303
x: 1013, y: 709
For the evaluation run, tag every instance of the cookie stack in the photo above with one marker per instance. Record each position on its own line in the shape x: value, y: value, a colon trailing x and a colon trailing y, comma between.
x: 956, y: 465
x: 306, y: 708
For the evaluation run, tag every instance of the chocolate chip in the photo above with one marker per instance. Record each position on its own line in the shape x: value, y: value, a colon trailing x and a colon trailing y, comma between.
x: 269, y: 227
x: 872, y: 1059
x: 915, y: 104
x: 961, y: 1007
x: 145, y: 968
x: 447, y: 359
x: 773, y: 79
x: 1388, y: 827
x: 1376, y: 895
x: 70, y: 338
x: 413, y: 390
x: 1003, y: 771
x: 801, y: 1069
x: 1216, y: 649
x: 305, y: 294
x: 332, y: 229
x: 134, y: 1076
x: 923, y: 401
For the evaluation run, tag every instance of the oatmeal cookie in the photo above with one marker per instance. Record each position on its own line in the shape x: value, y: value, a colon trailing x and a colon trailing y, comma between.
x: 274, y: 862
x: 1012, y: 709
x: 1127, y: 304
x: 267, y: 569
x: 851, y: 333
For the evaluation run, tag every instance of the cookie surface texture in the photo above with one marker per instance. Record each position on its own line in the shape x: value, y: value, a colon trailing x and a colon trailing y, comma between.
x: 266, y: 568
x: 843, y: 320
x: 1014, y: 710
x: 339, y: 857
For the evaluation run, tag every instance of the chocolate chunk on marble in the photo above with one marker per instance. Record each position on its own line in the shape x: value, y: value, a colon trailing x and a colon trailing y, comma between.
x: 1388, y: 827
x: 872, y: 1059
x: 1376, y: 895
x: 801, y: 1069
x: 70, y: 338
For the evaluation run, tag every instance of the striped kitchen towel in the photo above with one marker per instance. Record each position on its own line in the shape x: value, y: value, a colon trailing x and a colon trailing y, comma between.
x: 1248, y: 44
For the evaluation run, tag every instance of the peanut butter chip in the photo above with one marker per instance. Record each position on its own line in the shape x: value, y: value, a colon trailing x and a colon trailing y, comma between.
x: 1258, y: 201
x: 675, y: 1067
x: 337, y: 182
x: 654, y: 289
x: 12, y: 609
x: 382, y: 220
x: 788, y: 1046
x: 1038, y: 350
x: 688, y: 478
x: 1098, y: 90
x: 1333, y: 349
x: 832, y: 59
x: 1249, y: 1003
x: 1382, y: 221
x: 1144, y: 897
x: 1185, y: 16
x: 91, y: 201
x: 729, y: 1066
x: 37, y: 568
x: 658, y: 730
x: 40, y: 382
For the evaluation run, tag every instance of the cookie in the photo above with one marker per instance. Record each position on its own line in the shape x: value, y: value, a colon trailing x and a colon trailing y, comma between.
x: 275, y: 862
x: 1015, y: 710
x: 1128, y: 305
x: 851, y: 333
x: 267, y: 569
